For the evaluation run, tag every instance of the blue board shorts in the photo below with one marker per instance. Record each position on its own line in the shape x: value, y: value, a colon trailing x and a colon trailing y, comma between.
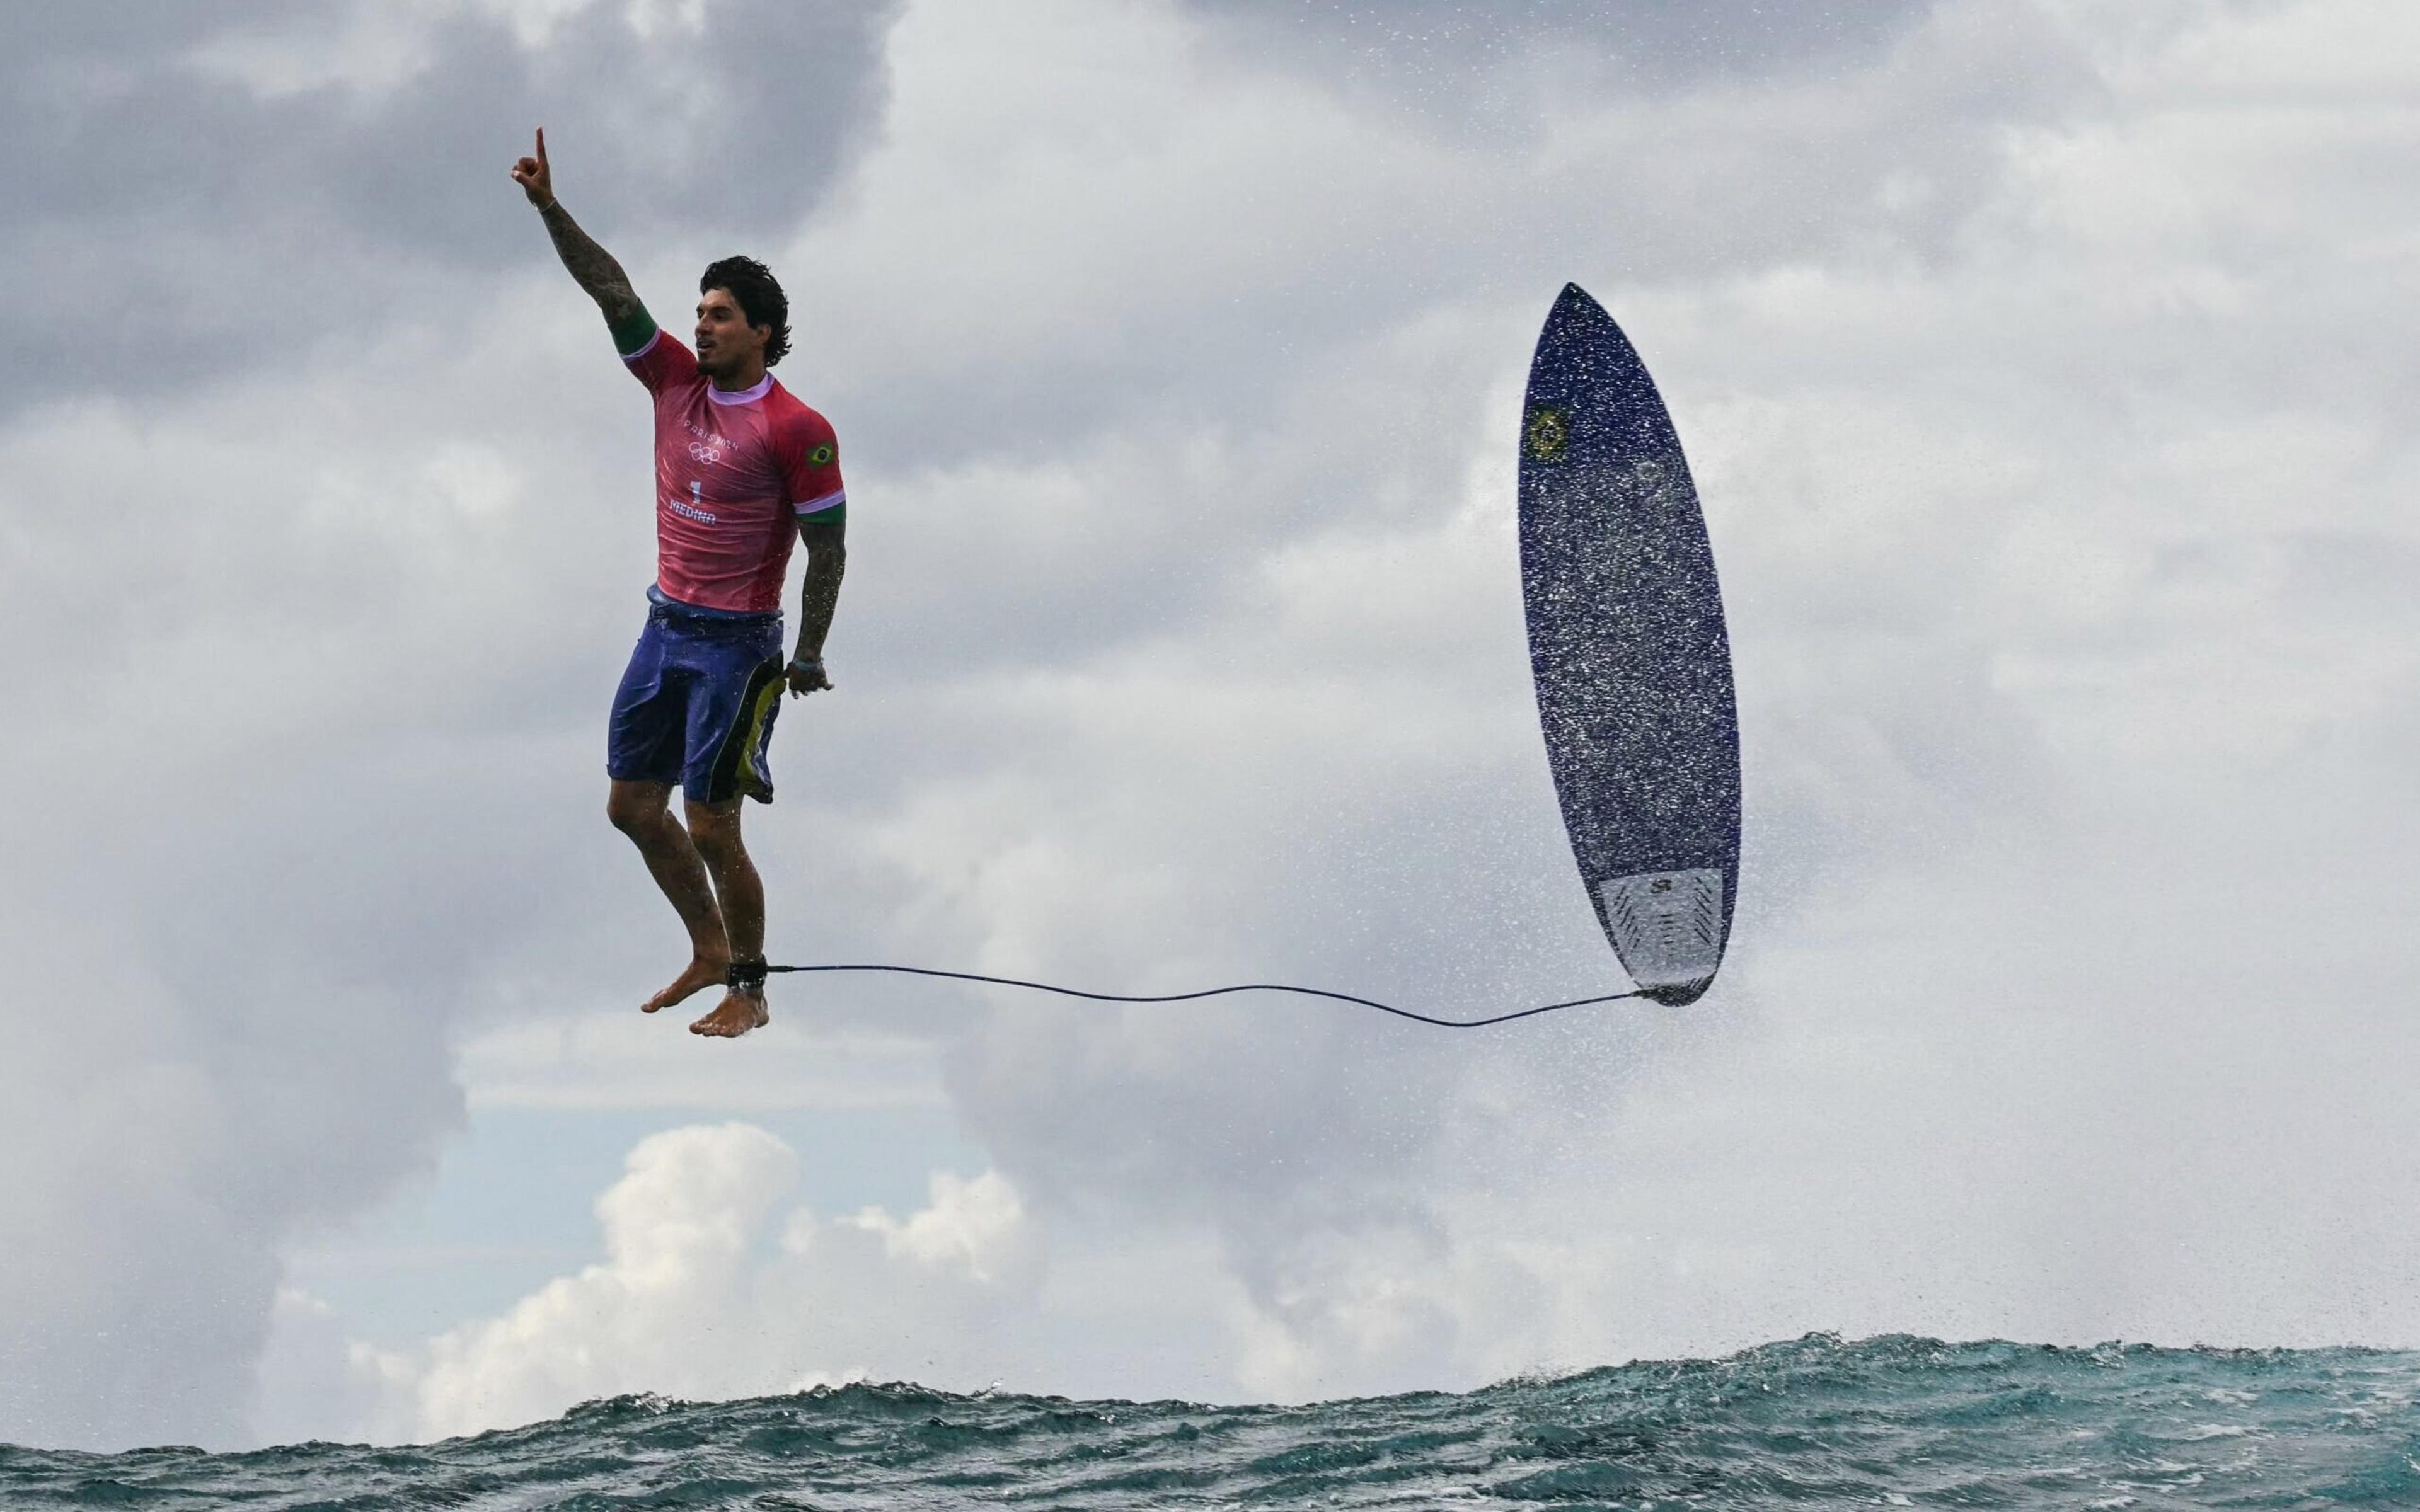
x: 697, y: 703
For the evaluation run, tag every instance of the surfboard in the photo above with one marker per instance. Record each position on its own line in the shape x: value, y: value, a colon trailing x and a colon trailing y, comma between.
x: 1629, y: 653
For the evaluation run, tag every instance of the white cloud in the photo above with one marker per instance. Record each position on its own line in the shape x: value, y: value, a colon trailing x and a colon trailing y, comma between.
x: 977, y: 1226
x: 712, y: 1285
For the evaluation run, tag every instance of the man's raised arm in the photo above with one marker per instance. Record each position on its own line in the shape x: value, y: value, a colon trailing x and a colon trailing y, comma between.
x: 592, y: 265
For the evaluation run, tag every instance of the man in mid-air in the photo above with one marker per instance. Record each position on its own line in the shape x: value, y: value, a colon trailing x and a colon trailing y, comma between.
x: 739, y: 466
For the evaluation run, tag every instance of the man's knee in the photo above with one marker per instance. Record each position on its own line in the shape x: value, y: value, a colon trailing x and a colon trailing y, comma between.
x: 633, y: 807
x: 715, y: 827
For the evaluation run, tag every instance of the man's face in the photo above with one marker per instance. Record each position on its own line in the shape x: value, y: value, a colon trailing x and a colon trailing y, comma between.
x: 727, y: 345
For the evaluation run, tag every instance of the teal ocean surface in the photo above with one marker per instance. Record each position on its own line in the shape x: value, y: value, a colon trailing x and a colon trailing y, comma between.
x: 1814, y: 1423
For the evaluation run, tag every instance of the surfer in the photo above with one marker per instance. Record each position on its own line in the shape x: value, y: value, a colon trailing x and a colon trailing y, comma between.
x: 740, y: 465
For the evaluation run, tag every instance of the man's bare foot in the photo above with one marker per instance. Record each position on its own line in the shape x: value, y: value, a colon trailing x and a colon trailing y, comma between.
x: 703, y: 972
x: 737, y: 1013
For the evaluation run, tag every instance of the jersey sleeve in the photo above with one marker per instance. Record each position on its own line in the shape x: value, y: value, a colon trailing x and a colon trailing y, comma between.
x: 810, y: 469
x: 653, y: 358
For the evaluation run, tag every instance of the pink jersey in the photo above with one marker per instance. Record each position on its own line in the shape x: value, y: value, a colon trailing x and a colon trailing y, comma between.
x: 735, y: 474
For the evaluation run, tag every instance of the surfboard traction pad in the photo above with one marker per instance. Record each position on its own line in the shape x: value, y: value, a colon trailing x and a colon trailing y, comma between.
x: 1666, y: 926
x: 1630, y: 653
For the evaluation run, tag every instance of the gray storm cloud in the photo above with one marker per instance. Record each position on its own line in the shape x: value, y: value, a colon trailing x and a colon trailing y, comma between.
x: 1491, y: 69
x: 216, y: 190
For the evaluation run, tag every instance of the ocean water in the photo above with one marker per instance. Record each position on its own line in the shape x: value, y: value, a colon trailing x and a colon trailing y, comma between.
x: 1813, y: 1422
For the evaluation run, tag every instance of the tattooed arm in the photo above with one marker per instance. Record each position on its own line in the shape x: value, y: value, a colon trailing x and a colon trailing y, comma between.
x: 590, y: 264
x: 827, y: 560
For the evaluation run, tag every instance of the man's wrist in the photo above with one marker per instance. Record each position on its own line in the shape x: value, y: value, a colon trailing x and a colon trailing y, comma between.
x: 807, y: 658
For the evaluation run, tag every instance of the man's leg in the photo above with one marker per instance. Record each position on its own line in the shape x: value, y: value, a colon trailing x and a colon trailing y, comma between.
x: 714, y: 828
x: 642, y: 810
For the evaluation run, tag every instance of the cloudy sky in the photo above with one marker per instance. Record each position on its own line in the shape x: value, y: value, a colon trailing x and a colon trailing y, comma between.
x: 2048, y: 368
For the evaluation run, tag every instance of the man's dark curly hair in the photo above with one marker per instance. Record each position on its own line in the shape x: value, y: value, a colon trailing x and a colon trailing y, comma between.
x: 760, y: 298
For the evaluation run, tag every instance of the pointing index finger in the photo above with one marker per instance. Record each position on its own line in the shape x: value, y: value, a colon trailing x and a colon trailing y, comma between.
x: 541, y: 145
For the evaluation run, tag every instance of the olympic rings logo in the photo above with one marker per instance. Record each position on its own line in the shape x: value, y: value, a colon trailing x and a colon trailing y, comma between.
x: 700, y: 452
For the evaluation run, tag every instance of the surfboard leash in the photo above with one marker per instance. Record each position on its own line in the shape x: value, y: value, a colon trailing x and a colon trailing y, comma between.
x: 750, y: 976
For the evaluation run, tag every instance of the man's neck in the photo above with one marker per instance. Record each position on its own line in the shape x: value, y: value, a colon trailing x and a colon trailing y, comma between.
x: 740, y: 383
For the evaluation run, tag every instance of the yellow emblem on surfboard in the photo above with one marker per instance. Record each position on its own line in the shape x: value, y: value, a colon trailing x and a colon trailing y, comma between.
x: 1546, y: 435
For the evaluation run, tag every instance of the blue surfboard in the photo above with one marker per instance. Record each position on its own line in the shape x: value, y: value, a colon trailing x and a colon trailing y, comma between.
x: 1629, y: 653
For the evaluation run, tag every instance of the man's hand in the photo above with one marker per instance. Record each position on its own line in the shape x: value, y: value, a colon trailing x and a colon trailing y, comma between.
x: 535, y: 179
x: 590, y: 264
x: 807, y: 676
